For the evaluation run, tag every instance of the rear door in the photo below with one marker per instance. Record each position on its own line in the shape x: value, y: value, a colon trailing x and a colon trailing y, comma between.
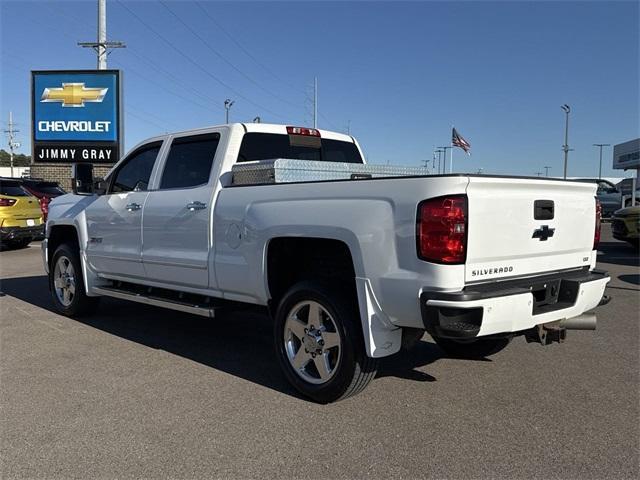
x: 177, y: 215
x: 520, y: 227
x: 114, y: 220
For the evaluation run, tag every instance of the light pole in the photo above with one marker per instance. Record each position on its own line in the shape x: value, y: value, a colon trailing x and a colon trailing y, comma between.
x: 546, y: 171
x: 565, y: 147
x: 444, y: 167
x: 600, y: 167
x: 439, y: 151
x: 228, y: 103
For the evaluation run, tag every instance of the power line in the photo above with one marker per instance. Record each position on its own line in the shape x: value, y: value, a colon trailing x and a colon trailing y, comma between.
x: 170, y: 76
x: 195, y: 63
x: 246, y: 52
x: 223, y: 58
x: 209, y: 100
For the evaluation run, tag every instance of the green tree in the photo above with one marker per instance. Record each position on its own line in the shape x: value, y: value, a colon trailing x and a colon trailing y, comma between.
x: 19, y: 159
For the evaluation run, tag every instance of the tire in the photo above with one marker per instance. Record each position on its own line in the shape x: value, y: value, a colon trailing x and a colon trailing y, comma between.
x: 67, y: 284
x: 329, y: 340
x: 472, y: 348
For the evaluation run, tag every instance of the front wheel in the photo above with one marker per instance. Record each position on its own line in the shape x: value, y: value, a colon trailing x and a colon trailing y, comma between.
x: 319, y: 343
x: 472, y: 348
x: 67, y: 285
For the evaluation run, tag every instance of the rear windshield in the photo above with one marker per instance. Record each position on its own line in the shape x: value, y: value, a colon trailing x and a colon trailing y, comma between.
x: 265, y: 146
x: 49, y: 189
x: 12, y: 189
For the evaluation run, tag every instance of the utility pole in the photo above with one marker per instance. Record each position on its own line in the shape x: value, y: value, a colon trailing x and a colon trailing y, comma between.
x: 600, y: 167
x: 315, y: 102
x: 566, y: 108
x: 539, y: 174
x: 10, y: 131
x: 102, y: 47
x: 228, y: 103
x: 546, y: 171
x: 444, y: 166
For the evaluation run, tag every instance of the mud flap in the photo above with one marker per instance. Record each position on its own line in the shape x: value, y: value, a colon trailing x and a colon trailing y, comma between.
x: 381, y: 337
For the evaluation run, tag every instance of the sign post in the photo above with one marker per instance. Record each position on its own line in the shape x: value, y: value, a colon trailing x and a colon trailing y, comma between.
x: 76, y: 116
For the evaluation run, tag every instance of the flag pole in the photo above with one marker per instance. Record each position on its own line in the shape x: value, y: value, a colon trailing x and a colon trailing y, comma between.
x: 451, y: 152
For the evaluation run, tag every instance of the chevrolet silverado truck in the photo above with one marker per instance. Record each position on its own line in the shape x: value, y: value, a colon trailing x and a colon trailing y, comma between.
x: 350, y: 269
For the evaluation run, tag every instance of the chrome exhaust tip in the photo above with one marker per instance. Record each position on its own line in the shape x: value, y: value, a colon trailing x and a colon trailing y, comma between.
x: 586, y: 321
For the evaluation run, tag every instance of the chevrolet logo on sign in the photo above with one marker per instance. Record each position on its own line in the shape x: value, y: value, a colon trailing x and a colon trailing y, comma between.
x: 73, y: 94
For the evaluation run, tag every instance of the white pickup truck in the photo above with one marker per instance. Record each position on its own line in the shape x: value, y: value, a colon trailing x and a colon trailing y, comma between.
x: 350, y: 269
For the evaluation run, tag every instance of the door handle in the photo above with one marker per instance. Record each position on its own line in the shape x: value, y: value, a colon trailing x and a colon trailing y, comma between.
x: 193, y: 206
x: 132, y: 207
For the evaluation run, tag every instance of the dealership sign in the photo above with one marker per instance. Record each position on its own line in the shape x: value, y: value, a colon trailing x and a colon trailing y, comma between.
x: 76, y: 116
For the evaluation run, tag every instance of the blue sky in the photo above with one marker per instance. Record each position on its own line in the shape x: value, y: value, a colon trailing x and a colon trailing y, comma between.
x: 400, y: 73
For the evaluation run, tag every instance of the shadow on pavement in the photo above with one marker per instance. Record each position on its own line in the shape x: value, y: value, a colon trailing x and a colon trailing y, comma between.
x: 631, y: 278
x: 238, y: 343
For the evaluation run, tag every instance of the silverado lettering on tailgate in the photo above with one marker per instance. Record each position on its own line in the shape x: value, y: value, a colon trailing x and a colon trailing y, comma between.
x: 491, y: 271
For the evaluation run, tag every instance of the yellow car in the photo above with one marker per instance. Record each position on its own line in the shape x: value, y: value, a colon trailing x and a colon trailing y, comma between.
x: 625, y: 224
x: 20, y: 215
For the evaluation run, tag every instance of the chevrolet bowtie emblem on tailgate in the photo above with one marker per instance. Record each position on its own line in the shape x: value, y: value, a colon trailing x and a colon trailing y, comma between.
x: 543, y: 233
x: 73, y: 94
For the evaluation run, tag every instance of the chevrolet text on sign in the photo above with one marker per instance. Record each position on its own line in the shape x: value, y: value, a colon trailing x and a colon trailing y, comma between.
x: 76, y: 116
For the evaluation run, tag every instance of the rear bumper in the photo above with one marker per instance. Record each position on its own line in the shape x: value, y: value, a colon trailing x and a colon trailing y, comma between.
x: 20, y: 233
x: 511, y: 306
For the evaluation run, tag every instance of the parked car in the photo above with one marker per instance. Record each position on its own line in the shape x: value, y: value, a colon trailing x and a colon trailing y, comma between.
x: 352, y: 260
x: 44, y: 191
x: 625, y: 225
x: 610, y: 195
x: 20, y: 215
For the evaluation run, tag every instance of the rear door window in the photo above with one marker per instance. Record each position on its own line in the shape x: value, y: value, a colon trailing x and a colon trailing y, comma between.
x: 189, y: 161
x: 265, y: 146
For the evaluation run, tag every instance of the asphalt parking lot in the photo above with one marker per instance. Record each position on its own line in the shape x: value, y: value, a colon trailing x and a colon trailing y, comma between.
x: 137, y: 391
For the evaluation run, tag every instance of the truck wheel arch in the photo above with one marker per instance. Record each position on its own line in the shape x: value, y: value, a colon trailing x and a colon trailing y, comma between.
x: 293, y: 259
x: 290, y: 260
x: 60, y: 234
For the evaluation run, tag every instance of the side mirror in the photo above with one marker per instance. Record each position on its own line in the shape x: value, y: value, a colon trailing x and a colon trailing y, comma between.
x: 612, y: 190
x: 82, y: 178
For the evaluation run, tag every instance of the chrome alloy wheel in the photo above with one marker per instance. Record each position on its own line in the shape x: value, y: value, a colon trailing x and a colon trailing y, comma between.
x: 312, y: 342
x: 64, y: 281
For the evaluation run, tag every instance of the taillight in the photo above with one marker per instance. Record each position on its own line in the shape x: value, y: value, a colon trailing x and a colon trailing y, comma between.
x: 596, y: 233
x: 7, y: 202
x: 307, y: 132
x: 442, y: 229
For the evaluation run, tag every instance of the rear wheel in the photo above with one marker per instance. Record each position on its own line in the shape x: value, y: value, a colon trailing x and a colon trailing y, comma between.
x: 67, y: 284
x: 319, y: 343
x: 472, y: 348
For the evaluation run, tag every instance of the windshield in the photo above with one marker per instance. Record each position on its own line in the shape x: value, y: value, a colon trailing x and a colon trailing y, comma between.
x: 50, y: 189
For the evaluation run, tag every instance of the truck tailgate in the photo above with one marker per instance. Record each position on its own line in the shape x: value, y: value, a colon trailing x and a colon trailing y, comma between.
x: 505, y: 239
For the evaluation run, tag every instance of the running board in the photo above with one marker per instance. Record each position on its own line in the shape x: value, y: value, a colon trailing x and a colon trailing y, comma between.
x: 202, y: 310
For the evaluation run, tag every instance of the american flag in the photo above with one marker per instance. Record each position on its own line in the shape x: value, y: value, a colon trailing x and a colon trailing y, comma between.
x: 458, y: 141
